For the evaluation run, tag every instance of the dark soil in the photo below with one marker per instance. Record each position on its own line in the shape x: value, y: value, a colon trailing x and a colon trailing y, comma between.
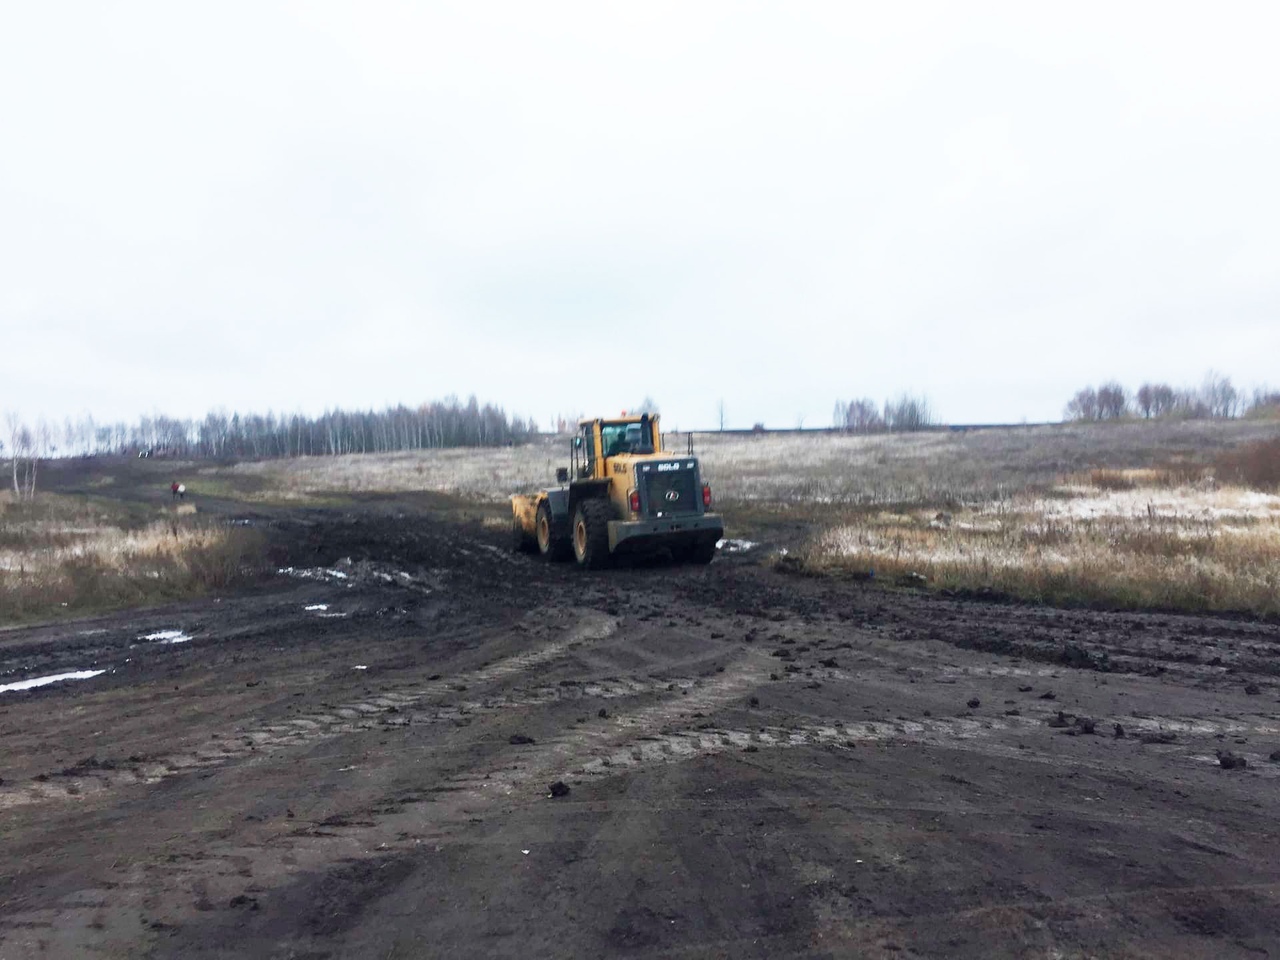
x: 382, y: 777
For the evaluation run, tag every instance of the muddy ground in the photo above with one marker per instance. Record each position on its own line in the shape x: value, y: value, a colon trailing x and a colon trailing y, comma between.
x: 758, y: 765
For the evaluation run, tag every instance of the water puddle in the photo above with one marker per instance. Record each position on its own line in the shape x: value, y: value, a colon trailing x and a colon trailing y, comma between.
x: 55, y: 678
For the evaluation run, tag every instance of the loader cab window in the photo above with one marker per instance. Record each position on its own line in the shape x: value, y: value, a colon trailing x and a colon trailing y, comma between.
x: 613, y: 438
x: 626, y: 438
x: 588, y: 452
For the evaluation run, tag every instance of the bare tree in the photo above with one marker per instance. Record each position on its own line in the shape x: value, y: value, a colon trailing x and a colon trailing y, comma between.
x: 720, y: 414
x: 1189, y: 404
x: 1113, y: 401
x: 1084, y: 405
x: 862, y: 416
x: 908, y: 413
x: 1220, y: 395
x: 14, y: 423
x: 25, y: 449
x: 1155, y: 399
x: 1264, y: 403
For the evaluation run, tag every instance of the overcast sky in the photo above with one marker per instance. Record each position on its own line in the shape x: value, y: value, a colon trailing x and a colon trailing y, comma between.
x: 565, y: 207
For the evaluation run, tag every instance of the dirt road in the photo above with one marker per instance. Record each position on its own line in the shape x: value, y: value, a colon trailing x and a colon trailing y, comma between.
x: 357, y: 761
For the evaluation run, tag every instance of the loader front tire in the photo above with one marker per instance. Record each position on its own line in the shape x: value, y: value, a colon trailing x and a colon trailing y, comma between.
x: 551, y: 543
x: 591, y: 534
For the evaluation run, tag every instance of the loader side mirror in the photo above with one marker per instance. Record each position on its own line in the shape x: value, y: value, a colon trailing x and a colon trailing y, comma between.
x: 562, y: 474
x: 577, y: 443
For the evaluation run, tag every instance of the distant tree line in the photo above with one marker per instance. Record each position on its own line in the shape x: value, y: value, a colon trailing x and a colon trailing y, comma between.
x: 219, y: 435
x: 1216, y: 398
x: 903, y: 415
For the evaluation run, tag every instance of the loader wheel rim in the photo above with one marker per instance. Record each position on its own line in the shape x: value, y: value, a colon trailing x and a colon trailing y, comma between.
x: 580, y: 537
x: 544, y: 532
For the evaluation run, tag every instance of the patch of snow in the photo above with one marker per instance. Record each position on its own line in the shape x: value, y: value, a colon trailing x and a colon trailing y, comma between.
x: 361, y: 666
x: 333, y: 616
x: 167, y: 636
x: 1180, y: 502
x: 316, y: 606
x: 55, y: 678
x: 736, y: 546
x: 312, y: 573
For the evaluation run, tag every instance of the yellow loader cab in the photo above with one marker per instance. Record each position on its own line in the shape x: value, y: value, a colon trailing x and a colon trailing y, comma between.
x: 621, y: 494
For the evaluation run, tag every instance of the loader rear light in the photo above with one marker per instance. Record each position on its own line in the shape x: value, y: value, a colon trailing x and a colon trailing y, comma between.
x: 635, y: 501
x: 706, y: 496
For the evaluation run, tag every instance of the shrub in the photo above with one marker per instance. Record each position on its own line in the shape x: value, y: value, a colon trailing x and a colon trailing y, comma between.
x: 1256, y: 465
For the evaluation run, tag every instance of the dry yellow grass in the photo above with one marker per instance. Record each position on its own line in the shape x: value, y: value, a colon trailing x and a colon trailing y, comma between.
x: 1166, y: 547
x: 64, y: 553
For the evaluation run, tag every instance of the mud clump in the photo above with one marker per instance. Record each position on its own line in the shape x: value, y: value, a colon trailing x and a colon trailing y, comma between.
x: 1119, y: 731
x: 1160, y: 736
x: 1073, y: 655
x: 559, y: 789
x: 519, y: 740
x: 1231, y: 761
x: 973, y: 703
x: 1252, y: 689
x: 1060, y: 721
x: 88, y: 765
x: 829, y: 662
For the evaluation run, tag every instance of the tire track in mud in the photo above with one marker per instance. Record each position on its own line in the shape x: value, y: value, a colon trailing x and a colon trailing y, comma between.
x: 658, y: 733
x: 639, y: 736
x: 352, y: 717
x: 683, y: 745
x: 880, y: 937
x: 217, y: 875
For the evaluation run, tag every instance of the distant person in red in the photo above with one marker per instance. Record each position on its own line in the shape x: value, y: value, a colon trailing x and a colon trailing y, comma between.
x: 174, y: 489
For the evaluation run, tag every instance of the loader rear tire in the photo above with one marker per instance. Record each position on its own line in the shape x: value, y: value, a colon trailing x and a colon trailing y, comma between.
x: 591, y: 534
x: 551, y: 543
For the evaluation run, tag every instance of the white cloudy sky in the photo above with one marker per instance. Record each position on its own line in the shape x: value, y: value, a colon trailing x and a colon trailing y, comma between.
x: 565, y: 207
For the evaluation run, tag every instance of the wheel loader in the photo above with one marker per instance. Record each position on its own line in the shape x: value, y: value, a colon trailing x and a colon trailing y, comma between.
x: 621, y: 494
